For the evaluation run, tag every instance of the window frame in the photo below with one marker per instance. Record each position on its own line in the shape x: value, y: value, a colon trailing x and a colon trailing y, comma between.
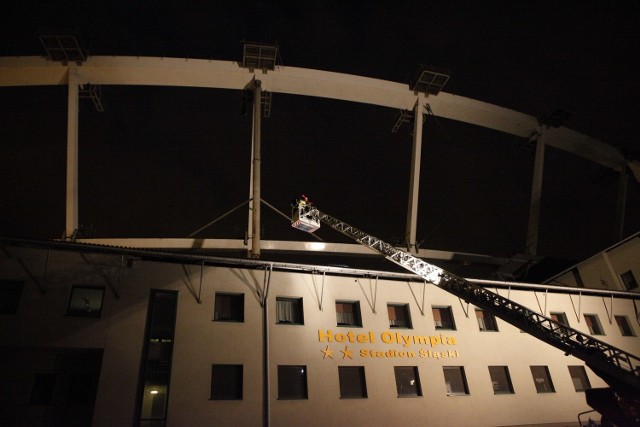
x: 449, y: 312
x: 501, y: 370
x: 297, y: 308
x: 629, y: 280
x: 73, y: 299
x: 357, y: 316
x: 488, y: 319
x: 459, y: 371
x: 284, y: 381
x: 405, y: 311
x: 236, y: 307
x: 229, y: 375
x: 412, y: 371
x: 546, y: 377
x: 582, y: 377
x: 353, y: 382
x: 626, y: 330
x: 593, y: 324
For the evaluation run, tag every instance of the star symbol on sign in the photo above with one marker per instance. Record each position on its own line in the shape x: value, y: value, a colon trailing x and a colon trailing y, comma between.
x: 346, y: 353
x: 327, y: 353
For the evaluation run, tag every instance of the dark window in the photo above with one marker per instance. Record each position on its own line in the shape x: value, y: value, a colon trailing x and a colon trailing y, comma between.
x: 10, y: 292
x: 500, y: 380
x: 560, y: 318
x: 625, y: 326
x: 85, y: 301
x: 229, y: 307
x: 348, y: 313
x: 226, y: 382
x: 542, y: 379
x: 407, y: 381
x: 352, y: 382
x: 579, y: 378
x: 292, y: 382
x: 593, y: 323
x: 156, y: 358
x: 486, y: 321
x: 577, y: 277
x: 42, y: 390
x: 289, y: 311
x: 399, y: 316
x: 443, y: 318
x: 455, y: 380
x: 629, y: 280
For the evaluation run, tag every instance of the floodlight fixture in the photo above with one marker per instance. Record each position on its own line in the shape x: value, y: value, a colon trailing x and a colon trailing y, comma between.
x: 63, y: 48
x: 429, y: 80
x: 92, y: 92
x: 404, y: 116
x: 556, y: 119
x: 259, y: 56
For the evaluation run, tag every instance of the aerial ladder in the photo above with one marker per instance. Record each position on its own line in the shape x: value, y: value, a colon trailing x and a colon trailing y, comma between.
x: 619, y: 404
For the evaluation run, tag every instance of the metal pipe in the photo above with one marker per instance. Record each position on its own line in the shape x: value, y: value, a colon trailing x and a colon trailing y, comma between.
x: 257, y: 112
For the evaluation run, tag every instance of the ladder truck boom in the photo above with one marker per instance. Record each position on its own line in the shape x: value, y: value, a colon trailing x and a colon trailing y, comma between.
x: 620, y: 369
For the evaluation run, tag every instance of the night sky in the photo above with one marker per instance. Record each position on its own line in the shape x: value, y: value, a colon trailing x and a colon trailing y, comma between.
x: 162, y: 162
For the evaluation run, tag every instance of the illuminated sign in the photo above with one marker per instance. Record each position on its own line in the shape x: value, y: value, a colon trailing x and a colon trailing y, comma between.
x: 411, y: 343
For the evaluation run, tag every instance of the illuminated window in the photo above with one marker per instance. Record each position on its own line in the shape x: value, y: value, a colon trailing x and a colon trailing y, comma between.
x: 629, y: 280
x: 348, y: 313
x: 292, y: 382
x: 455, y: 380
x: 443, y: 318
x: 10, y: 292
x: 352, y: 382
x: 625, y: 326
x: 399, y: 316
x: 500, y: 380
x: 486, y: 321
x: 226, y: 382
x: 85, y: 301
x: 593, y: 323
x: 289, y: 311
x: 229, y: 307
x: 579, y: 378
x: 407, y: 381
x: 542, y: 379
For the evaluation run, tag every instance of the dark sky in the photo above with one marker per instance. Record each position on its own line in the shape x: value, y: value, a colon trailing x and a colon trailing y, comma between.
x: 162, y: 162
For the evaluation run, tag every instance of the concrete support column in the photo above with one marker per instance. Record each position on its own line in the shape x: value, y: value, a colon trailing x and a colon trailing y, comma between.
x: 257, y: 114
x: 414, y: 181
x: 71, y: 223
x: 536, y: 193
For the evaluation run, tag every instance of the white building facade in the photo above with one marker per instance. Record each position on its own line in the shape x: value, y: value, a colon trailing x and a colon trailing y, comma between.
x: 103, y: 336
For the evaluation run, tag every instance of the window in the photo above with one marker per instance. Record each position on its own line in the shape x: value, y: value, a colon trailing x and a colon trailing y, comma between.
x: 289, y: 311
x: 542, y: 379
x: 629, y: 280
x: 292, y: 382
x: 593, y: 323
x: 560, y: 318
x: 579, y: 378
x: 352, y: 382
x: 625, y: 326
x: 348, y: 313
x: 443, y: 318
x: 455, y: 380
x: 399, y: 316
x: 407, y: 381
x: 226, y: 382
x: 486, y: 321
x: 10, y: 291
x: 85, y: 301
x: 500, y: 380
x: 229, y: 307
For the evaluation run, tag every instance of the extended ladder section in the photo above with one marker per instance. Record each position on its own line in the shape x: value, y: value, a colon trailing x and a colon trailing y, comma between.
x: 617, y: 367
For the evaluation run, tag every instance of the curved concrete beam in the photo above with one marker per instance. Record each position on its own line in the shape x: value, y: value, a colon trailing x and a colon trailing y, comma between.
x: 115, y: 70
